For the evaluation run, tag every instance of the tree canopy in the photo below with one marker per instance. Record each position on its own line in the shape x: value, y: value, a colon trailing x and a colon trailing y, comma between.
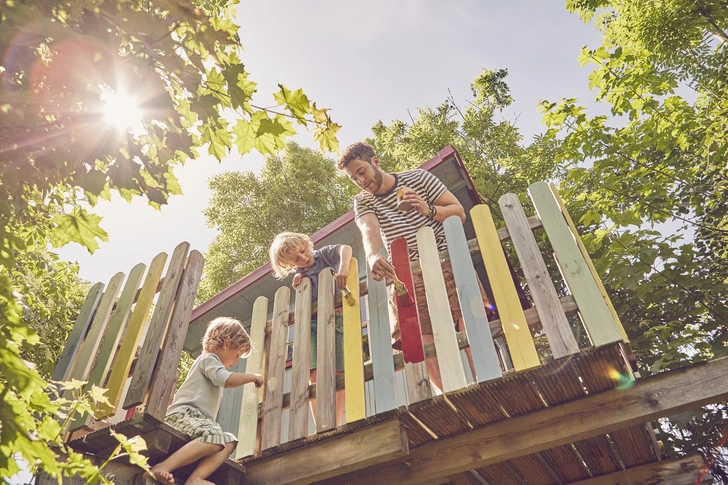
x: 70, y: 72
x: 650, y: 184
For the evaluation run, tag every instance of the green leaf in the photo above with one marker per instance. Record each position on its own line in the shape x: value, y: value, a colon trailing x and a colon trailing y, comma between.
x: 80, y: 227
x: 294, y: 101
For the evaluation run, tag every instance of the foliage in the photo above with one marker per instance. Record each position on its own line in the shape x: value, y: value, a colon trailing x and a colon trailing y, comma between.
x: 52, y: 297
x: 649, y: 186
x: 67, y: 69
x: 299, y: 191
x: 491, y: 149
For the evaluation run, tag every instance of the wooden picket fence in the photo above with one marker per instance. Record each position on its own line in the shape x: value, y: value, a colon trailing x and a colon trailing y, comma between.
x: 111, y: 327
x: 261, y: 417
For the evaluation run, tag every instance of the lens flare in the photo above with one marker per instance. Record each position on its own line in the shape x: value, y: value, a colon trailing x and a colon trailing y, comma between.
x: 623, y: 382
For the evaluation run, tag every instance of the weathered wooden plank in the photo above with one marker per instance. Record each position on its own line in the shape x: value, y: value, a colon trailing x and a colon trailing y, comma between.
x: 100, y: 369
x: 132, y: 335
x: 594, y: 312
x: 331, y: 457
x: 248, y: 426
x: 651, y: 398
x: 326, y: 357
x: 518, y: 336
x: 553, y: 320
x: 407, y: 315
x: 164, y: 379
x: 353, y: 352
x: 91, y: 344
x: 380, y: 342
x: 298, y: 418
x: 158, y: 325
x: 688, y: 470
x: 417, y: 382
x: 482, y: 348
x: 473, y: 246
x: 75, y: 338
x: 273, y: 400
x: 589, y: 262
x: 443, y: 328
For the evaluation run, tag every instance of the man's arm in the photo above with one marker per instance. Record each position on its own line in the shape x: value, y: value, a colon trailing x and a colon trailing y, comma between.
x: 445, y: 205
x: 372, y: 239
x: 448, y: 205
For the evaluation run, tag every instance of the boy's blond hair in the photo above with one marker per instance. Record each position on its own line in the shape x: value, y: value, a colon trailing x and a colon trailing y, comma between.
x: 283, y: 247
x: 224, y: 333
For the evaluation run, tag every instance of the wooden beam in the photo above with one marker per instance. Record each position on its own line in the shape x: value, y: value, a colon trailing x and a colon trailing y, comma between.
x: 329, y: 458
x: 688, y: 470
x: 650, y: 398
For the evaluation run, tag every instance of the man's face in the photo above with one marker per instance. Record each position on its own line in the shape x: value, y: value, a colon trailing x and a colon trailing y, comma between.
x: 366, y: 175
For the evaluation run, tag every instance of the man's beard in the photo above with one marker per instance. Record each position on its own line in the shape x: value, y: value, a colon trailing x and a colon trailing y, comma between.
x: 377, y: 184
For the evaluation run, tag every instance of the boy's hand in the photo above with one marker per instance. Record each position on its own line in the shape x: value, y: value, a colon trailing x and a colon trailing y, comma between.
x: 341, y: 277
x: 297, y: 280
x: 257, y: 380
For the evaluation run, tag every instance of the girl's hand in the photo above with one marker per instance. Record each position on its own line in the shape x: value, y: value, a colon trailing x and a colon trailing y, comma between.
x: 297, y: 280
x: 341, y: 277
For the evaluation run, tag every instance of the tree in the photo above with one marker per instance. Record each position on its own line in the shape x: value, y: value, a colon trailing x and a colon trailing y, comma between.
x: 70, y: 69
x: 650, y: 185
x: 299, y: 191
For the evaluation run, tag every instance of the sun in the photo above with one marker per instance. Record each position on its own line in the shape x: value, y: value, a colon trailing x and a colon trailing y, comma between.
x: 121, y: 110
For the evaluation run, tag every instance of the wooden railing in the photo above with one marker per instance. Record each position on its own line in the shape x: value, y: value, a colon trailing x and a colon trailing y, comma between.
x: 261, y: 417
x: 111, y: 327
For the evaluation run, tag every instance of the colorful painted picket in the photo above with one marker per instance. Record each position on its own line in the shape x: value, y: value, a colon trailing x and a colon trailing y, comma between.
x: 353, y: 353
x: 518, y: 336
x: 482, y: 348
x: 443, y: 328
x: 380, y: 342
x: 595, y: 314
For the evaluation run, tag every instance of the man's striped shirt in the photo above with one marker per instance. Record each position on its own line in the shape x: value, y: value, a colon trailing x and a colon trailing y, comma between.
x: 395, y: 223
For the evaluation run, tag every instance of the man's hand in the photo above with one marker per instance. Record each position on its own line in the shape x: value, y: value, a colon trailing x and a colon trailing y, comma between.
x: 297, y: 280
x: 418, y: 203
x: 341, y: 277
x: 380, y: 267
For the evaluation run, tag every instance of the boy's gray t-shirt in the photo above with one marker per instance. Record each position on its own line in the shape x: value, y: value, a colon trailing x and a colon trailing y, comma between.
x: 202, y: 390
x: 327, y: 256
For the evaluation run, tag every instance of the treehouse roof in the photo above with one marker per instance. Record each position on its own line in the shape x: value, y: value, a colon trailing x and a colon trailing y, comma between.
x: 237, y: 300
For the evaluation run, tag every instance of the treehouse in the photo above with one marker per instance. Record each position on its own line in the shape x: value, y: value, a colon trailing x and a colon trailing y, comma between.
x: 552, y: 396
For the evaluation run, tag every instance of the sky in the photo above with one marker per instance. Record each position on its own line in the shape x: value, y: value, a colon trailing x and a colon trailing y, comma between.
x: 366, y: 61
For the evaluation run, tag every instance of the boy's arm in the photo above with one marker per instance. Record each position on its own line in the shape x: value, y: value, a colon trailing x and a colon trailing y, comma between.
x: 344, y: 259
x: 238, y: 379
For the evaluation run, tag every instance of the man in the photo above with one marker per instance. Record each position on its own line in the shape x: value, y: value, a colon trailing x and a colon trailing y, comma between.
x: 380, y: 222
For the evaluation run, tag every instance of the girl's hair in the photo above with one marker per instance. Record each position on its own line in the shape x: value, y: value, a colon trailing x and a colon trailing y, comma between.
x: 283, y: 247
x: 225, y: 333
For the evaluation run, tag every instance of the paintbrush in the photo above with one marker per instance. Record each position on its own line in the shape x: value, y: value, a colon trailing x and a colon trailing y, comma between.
x: 404, y: 297
x: 348, y: 296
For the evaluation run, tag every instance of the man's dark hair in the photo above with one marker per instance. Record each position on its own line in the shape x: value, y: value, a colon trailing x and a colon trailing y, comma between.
x: 356, y: 151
